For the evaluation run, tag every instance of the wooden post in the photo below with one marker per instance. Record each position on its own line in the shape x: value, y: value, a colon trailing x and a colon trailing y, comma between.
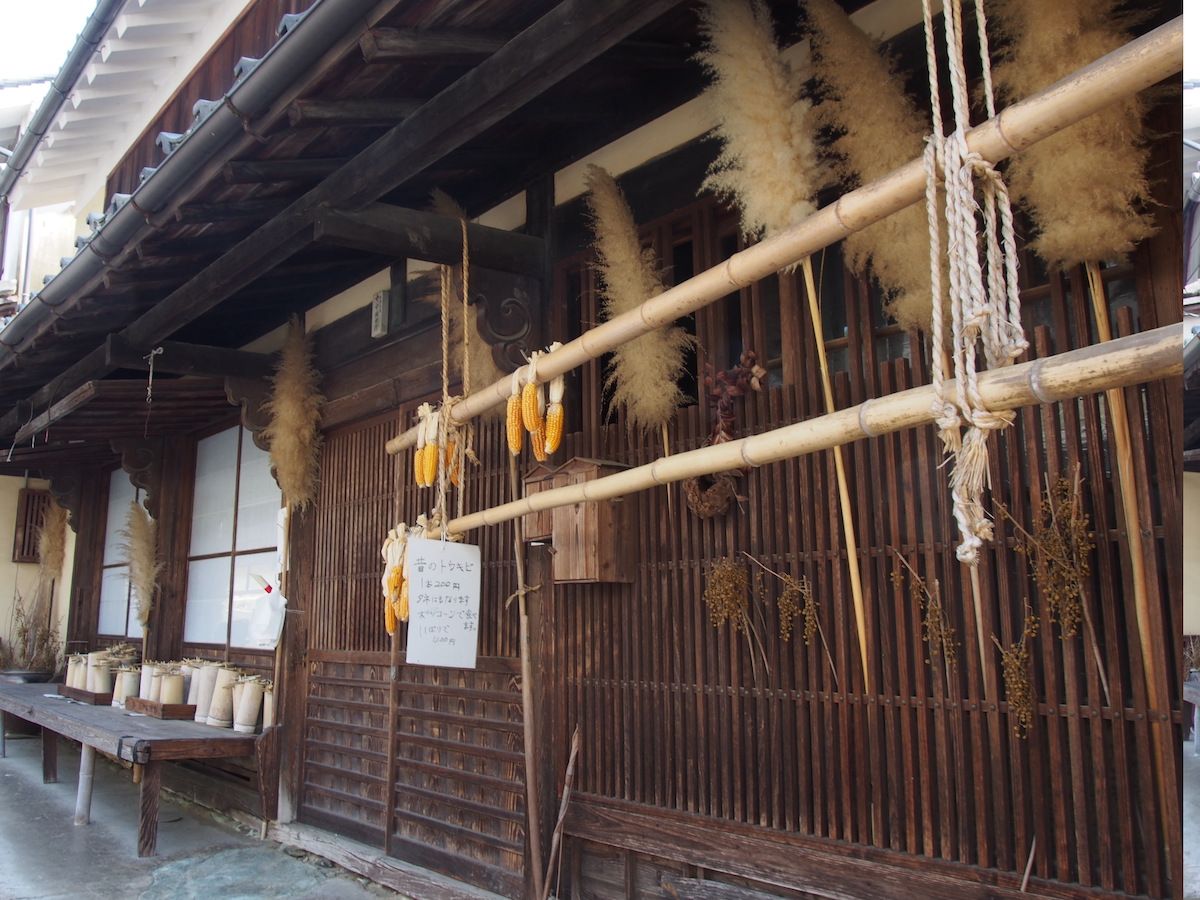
x: 83, y: 796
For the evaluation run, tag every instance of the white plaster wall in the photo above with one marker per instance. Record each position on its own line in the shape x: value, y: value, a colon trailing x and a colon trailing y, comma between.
x: 20, y: 579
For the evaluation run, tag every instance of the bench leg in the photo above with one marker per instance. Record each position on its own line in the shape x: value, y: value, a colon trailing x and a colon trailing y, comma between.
x: 87, y: 773
x: 1195, y: 732
x: 49, y: 757
x: 3, y: 731
x: 148, y: 818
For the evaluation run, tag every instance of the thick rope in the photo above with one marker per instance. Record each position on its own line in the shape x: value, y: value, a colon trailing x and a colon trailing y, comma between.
x: 984, y: 305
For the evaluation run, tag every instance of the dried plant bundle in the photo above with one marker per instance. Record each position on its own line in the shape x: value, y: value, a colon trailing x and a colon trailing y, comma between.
x: 35, y: 644
x: 769, y: 165
x: 877, y: 128
x: 139, y: 543
x: 936, y: 631
x: 644, y: 375
x: 1018, y: 683
x: 293, y: 433
x: 1086, y: 186
x: 727, y: 594
x: 52, y: 541
x: 482, y: 364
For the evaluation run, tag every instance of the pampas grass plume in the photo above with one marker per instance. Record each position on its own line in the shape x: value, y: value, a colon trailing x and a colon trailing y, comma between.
x: 879, y: 128
x: 293, y: 432
x: 139, y: 542
x: 768, y: 165
x: 645, y: 372
x: 1086, y: 186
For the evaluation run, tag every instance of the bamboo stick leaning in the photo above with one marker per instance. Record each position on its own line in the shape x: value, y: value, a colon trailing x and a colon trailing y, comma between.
x: 1147, y: 356
x: 1136, y: 66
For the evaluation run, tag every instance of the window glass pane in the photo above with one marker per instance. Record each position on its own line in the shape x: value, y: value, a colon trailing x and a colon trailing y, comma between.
x: 114, y: 598
x: 134, y: 628
x: 258, y: 498
x: 247, y: 592
x: 120, y: 495
x: 207, y: 601
x: 212, y: 504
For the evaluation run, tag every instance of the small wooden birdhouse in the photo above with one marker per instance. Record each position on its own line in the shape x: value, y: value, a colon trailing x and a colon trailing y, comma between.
x: 592, y: 541
x: 539, y: 525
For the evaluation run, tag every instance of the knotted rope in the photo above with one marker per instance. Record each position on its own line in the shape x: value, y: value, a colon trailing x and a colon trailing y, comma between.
x: 984, y: 306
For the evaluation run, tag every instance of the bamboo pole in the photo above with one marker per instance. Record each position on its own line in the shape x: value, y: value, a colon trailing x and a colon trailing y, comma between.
x: 1146, y: 356
x: 839, y: 465
x: 1127, y: 70
x: 1127, y: 486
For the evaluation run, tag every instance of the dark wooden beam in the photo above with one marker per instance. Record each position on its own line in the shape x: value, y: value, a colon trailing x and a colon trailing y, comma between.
x: 373, y: 111
x: 189, y: 359
x: 204, y: 245
x: 59, y: 410
x: 395, y: 232
x: 231, y: 210
x: 270, y: 171
x: 442, y: 45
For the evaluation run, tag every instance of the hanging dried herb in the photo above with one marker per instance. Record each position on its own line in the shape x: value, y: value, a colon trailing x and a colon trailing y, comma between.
x: 936, y: 630
x: 1018, y: 684
x: 727, y: 594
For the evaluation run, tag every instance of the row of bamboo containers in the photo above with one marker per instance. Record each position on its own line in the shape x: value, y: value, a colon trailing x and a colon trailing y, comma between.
x: 224, y: 696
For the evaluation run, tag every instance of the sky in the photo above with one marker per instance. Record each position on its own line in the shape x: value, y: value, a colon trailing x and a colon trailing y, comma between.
x: 39, y: 34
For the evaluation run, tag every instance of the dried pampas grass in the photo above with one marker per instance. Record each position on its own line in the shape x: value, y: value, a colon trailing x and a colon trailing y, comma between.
x: 768, y: 166
x: 52, y: 542
x: 293, y: 433
x: 139, y: 543
x: 1086, y: 186
x: 484, y: 370
x: 879, y: 128
x: 645, y: 372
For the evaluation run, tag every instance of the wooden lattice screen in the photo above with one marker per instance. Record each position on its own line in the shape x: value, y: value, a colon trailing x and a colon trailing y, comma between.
x: 31, y: 507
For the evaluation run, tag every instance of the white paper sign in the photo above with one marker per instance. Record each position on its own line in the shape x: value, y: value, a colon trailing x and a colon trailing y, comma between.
x: 443, y: 603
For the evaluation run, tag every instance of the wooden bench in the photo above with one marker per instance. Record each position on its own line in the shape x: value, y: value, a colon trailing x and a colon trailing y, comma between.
x: 145, y: 742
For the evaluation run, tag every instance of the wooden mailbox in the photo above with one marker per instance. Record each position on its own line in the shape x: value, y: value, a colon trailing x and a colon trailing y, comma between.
x: 591, y: 540
x: 539, y: 525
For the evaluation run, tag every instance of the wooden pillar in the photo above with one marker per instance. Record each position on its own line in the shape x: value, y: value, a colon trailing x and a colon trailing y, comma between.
x: 83, y: 615
x: 174, y: 506
x: 551, y: 751
x: 292, y: 687
x: 87, y: 774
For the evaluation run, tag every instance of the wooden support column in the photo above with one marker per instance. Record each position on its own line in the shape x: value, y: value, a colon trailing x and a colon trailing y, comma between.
x: 83, y: 795
x: 550, y: 751
x: 292, y: 687
x: 148, y: 808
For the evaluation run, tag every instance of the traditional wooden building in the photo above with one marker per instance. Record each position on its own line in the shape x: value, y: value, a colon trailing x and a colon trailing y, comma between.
x: 712, y: 762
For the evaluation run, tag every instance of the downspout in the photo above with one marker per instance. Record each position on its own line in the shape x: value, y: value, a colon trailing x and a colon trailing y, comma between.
x: 288, y: 60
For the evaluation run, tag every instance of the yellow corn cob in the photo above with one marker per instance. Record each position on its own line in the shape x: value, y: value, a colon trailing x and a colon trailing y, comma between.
x: 554, y: 427
x: 537, y: 442
x: 431, y: 465
x: 533, y: 406
x: 516, y: 435
x: 389, y: 616
x: 452, y: 463
x: 402, y: 609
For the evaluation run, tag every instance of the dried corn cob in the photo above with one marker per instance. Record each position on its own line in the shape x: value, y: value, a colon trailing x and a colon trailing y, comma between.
x: 537, y: 442
x: 516, y: 435
x: 431, y: 452
x: 451, y: 457
x: 402, y: 605
x: 554, y: 412
x: 423, y: 412
x: 533, y: 402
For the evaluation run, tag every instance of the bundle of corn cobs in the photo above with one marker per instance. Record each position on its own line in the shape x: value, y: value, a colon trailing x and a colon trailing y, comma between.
x: 433, y: 441
x: 528, y: 410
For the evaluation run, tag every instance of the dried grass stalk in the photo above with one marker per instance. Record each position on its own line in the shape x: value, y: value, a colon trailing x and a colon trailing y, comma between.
x: 644, y: 375
x: 1086, y: 186
x: 877, y: 128
x: 293, y: 433
x: 769, y: 165
x: 139, y: 543
x: 52, y: 542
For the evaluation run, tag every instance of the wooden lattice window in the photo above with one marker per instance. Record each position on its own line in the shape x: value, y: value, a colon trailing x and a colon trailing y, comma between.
x: 31, y: 508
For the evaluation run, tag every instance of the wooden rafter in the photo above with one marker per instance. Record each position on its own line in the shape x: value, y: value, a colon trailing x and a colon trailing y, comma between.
x: 428, y: 44
x: 369, y: 111
x: 189, y: 359
x: 268, y: 171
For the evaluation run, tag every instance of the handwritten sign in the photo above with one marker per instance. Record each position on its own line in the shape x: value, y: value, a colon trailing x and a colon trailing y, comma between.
x: 443, y: 603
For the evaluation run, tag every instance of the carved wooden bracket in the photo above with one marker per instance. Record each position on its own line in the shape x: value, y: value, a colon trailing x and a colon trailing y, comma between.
x: 141, y: 459
x: 250, y: 394
x: 508, y: 312
x: 67, y: 490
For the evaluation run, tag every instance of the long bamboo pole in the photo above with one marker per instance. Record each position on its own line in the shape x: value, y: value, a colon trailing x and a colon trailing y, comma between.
x: 1147, y: 356
x: 1132, y: 68
x: 839, y: 465
x: 1127, y: 485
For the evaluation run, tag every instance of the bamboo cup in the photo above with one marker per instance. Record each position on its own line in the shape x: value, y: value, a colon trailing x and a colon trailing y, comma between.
x: 208, y: 680
x: 238, y: 686
x: 193, y: 683
x: 101, y: 678
x: 73, y: 671
x: 172, y: 688
x: 220, y: 710
x: 125, y: 686
x: 94, y: 659
x: 268, y: 707
x: 249, y: 705
x: 156, y: 684
x: 149, y: 670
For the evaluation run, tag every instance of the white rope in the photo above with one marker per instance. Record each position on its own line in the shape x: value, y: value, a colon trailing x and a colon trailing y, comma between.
x: 984, y: 303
